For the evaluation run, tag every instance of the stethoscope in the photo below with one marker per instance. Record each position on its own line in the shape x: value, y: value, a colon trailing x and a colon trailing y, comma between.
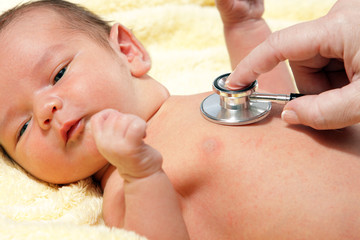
x: 239, y: 107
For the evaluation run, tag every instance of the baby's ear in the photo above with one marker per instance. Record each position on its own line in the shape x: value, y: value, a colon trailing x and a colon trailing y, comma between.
x: 136, y: 54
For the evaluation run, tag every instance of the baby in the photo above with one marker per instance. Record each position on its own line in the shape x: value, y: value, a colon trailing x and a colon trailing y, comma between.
x: 81, y: 104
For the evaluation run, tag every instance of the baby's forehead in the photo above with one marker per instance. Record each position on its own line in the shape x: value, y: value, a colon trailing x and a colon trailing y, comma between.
x: 25, y: 40
x: 27, y: 31
x: 34, y: 18
x: 69, y: 21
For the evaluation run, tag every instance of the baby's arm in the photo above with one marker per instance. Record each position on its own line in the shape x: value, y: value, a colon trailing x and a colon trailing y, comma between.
x: 151, y: 204
x: 244, y: 29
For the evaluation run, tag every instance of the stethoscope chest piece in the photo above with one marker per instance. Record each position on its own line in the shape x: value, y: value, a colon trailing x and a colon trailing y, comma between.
x: 229, y: 107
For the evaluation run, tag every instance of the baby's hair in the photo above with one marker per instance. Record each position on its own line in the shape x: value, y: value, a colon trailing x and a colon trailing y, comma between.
x: 75, y: 18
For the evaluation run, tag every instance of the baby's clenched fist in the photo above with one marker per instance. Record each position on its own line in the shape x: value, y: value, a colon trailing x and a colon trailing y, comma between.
x: 119, y: 138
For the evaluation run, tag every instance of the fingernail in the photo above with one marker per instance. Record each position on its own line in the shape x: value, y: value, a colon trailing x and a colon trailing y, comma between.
x: 227, y: 83
x: 290, y: 116
x: 238, y: 86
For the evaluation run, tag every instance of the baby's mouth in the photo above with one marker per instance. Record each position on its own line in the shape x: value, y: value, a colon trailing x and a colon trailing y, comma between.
x: 72, y: 129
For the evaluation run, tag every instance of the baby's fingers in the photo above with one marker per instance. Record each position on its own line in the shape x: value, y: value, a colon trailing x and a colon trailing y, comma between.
x: 97, y: 122
x: 105, y: 121
x: 113, y: 124
x: 135, y: 130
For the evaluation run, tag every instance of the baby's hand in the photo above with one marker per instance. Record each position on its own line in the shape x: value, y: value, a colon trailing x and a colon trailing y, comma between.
x: 119, y: 138
x: 237, y: 11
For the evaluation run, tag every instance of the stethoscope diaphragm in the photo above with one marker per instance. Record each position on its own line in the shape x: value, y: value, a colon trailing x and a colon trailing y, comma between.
x: 240, y: 107
x: 230, y: 107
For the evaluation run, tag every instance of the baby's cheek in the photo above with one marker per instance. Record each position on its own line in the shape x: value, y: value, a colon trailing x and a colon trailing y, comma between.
x: 44, y: 161
x: 34, y: 153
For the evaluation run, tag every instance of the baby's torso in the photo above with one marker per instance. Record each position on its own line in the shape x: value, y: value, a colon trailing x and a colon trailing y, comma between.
x: 263, y: 180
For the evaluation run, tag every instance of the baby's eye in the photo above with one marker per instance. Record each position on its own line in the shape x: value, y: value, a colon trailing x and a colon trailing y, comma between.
x: 59, y: 75
x: 23, y: 129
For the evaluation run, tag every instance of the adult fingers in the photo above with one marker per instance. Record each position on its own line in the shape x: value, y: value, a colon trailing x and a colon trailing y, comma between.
x: 332, y: 109
x: 299, y: 42
x: 319, y: 74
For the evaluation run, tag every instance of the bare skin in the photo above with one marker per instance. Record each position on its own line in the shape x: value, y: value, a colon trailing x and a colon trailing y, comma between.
x: 166, y: 172
x: 267, y: 180
x: 274, y: 181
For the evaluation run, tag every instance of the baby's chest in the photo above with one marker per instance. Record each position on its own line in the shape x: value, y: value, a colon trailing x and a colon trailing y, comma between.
x: 203, y: 166
x: 205, y: 176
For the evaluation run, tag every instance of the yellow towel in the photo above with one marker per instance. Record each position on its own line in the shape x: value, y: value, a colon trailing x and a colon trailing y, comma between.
x: 185, y: 41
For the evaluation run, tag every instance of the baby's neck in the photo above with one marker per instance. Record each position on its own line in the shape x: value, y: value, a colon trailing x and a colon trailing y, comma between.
x: 152, y: 96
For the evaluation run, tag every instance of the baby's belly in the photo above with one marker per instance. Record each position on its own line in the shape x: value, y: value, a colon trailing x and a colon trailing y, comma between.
x: 247, y: 191
x: 262, y: 181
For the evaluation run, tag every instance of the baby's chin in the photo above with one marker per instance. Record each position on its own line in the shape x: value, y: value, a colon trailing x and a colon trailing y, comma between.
x: 85, y: 149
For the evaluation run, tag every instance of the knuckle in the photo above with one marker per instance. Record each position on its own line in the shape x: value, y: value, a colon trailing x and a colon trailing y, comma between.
x: 138, y: 124
x: 317, y: 120
x: 314, y: 115
x: 352, y: 109
x: 273, y: 42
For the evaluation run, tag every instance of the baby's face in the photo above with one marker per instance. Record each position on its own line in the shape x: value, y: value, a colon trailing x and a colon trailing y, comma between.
x: 52, y: 82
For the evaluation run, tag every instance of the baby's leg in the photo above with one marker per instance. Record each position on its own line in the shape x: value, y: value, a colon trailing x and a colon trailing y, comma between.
x: 244, y: 29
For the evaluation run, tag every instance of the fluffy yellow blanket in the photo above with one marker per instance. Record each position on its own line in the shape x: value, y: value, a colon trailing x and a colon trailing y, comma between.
x: 185, y: 41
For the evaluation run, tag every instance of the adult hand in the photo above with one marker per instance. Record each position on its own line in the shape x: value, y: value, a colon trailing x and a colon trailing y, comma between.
x: 324, y: 55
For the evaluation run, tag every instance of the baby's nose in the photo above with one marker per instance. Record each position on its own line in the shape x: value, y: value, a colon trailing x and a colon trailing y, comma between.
x: 45, y: 109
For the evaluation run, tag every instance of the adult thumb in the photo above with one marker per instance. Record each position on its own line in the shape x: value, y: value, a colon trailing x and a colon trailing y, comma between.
x: 333, y: 109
